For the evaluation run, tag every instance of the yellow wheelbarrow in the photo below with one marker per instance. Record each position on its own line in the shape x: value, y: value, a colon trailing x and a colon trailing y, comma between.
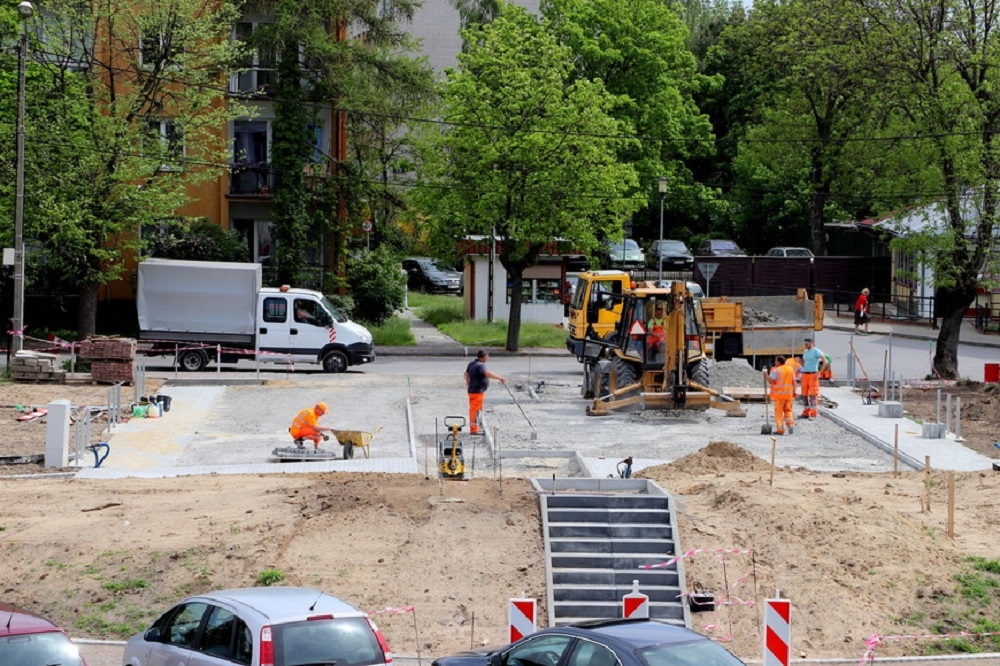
x: 351, y: 439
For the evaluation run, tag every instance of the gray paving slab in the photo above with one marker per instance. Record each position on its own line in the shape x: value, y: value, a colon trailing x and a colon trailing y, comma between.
x: 862, y: 419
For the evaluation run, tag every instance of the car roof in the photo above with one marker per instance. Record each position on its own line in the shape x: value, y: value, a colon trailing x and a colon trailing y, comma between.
x: 16, y: 621
x: 635, y: 633
x: 282, y: 603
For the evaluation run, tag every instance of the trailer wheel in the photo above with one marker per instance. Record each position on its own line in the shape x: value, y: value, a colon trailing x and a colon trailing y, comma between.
x: 698, y: 372
x: 334, y: 361
x: 193, y: 360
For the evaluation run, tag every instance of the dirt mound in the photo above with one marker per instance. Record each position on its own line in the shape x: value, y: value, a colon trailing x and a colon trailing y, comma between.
x: 716, y: 458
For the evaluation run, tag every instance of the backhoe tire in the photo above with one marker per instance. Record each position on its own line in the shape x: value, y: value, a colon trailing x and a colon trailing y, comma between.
x: 626, y: 372
x: 698, y: 372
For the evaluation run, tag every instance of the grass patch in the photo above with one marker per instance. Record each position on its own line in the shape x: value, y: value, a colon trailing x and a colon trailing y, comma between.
x: 445, y: 313
x: 269, y: 577
x: 395, y: 332
x: 123, y: 585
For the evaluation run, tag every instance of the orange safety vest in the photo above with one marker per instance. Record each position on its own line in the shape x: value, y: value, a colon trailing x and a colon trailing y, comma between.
x: 305, y: 419
x: 783, y: 386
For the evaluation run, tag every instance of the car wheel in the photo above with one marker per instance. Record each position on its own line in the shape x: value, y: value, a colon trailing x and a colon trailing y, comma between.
x: 335, y: 361
x: 193, y: 360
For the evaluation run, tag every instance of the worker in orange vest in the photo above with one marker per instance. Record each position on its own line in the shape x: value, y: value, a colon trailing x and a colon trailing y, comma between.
x: 782, y: 379
x: 796, y: 367
x: 656, y: 330
x: 306, y: 425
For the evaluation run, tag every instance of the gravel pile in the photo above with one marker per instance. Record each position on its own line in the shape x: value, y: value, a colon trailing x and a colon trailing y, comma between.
x: 737, y: 373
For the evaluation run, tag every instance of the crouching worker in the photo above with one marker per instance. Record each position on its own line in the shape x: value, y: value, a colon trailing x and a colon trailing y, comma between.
x: 306, y: 425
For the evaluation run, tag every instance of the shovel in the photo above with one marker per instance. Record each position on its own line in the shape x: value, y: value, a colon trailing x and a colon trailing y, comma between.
x: 766, y: 429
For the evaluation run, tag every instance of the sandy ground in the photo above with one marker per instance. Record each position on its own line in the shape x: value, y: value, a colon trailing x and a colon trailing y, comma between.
x: 857, y: 553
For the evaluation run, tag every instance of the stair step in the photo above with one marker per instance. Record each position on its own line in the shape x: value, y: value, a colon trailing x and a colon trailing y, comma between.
x: 611, y: 577
x: 614, y: 610
x: 617, y: 531
x: 617, y: 561
x: 576, y: 500
x: 607, y: 593
x: 598, y: 545
x: 616, y: 516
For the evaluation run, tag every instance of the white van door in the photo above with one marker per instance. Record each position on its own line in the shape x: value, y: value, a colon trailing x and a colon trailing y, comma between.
x: 273, y: 325
x: 311, y: 328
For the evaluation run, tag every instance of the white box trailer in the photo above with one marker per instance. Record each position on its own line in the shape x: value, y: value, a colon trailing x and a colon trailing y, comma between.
x: 194, y: 308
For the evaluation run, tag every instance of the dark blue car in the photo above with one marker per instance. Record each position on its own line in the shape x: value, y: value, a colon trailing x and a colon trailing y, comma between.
x: 603, y: 643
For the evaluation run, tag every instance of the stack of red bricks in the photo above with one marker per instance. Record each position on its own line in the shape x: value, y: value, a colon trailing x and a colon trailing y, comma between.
x: 111, y: 359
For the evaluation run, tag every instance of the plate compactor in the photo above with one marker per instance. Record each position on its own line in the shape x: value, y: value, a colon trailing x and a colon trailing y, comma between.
x: 451, y: 462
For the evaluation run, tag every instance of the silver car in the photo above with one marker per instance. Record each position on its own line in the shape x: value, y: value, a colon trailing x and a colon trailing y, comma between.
x: 260, y: 626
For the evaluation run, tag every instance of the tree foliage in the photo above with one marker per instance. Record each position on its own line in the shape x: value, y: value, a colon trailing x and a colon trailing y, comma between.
x: 528, y: 154
x: 124, y: 110
x: 198, y: 239
x: 377, y: 285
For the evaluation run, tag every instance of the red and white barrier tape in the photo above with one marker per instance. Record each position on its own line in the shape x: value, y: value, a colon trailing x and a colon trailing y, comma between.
x: 403, y: 609
x: 875, y: 640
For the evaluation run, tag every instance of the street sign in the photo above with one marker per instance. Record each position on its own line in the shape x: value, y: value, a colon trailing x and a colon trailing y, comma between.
x: 366, y: 226
x: 708, y: 270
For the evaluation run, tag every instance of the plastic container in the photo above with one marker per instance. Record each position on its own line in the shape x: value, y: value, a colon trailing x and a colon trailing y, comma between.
x: 165, y: 401
x: 991, y: 373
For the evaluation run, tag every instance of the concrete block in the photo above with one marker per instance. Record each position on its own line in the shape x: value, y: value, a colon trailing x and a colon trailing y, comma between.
x: 933, y: 431
x: 890, y: 409
x: 57, y: 434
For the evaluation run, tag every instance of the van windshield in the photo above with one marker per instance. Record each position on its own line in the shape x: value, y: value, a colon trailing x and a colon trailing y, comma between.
x: 337, y: 317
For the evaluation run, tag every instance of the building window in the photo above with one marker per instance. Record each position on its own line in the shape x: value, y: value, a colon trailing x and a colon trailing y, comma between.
x: 161, y: 46
x: 538, y: 290
x: 165, y: 141
x: 251, y: 171
x: 257, y: 235
x: 257, y: 68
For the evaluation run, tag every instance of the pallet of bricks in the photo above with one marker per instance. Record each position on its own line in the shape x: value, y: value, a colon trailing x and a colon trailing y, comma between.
x: 32, y: 366
x: 111, y: 359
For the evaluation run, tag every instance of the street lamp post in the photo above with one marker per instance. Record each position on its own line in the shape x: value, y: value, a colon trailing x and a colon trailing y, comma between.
x: 661, y: 182
x: 25, y: 9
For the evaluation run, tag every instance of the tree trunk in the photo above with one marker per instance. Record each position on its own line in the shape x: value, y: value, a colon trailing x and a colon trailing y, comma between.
x: 514, y: 320
x: 951, y: 306
x: 86, y: 324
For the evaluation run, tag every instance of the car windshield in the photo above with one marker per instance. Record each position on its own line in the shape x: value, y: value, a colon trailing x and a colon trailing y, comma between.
x: 345, y: 641
x: 694, y: 653
x: 429, y: 266
x: 797, y: 252
x: 673, y: 246
x: 47, y: 648
x: 628, y: 244
x: 724, y: 245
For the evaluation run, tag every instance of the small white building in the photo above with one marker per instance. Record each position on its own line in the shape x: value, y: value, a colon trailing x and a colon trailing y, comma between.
x: 546, y: 288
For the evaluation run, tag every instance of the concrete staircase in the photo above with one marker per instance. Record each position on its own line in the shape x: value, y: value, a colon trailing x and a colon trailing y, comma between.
x: 598, y: 532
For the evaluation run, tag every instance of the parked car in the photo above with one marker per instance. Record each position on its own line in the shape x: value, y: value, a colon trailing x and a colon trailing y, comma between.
x: 718, y: 247
x: 27, y: 639
x: 789, y: 252
x: 693, y: 287
x: 672, y: 254
x: 603, y: 643
x: 426, y: 274
x: 625, y: 254
x: 279, y: 626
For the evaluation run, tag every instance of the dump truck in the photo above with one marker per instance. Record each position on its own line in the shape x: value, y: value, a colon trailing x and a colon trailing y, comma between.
x: 654, y: 358
x: 752, y: 327
x: 758, y: 328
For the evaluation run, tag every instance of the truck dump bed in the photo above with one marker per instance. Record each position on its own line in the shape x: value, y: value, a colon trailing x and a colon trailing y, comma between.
x: 205, y: 301
x: 762, y: 325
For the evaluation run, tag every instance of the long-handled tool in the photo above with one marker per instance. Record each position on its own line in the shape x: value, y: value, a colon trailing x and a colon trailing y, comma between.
x: 534, y: 433
x: 766, y: 429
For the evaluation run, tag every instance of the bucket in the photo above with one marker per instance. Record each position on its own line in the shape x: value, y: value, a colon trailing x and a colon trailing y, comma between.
x: 991, y: 373
x: 165, y: 401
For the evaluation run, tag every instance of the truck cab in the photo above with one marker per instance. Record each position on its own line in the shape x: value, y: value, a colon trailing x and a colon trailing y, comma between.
x: 596, y: 307
x: 301, y: 325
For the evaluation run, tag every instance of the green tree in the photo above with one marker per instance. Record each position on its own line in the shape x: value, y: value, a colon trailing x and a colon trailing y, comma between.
x: 528, y: 152
x: 321, y: 202
x: 940, y: 65
x: 124, y: 114
x: 198, y: 240
x: 639, y: 50
x: 378, y: 286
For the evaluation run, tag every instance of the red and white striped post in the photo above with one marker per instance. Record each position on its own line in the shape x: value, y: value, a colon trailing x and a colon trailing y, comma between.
x: 777, y: 632
x: 521, y: 614
x: 635, y: 605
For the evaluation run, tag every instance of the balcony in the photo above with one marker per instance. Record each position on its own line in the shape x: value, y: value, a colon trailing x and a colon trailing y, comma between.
x: 251, y: 180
